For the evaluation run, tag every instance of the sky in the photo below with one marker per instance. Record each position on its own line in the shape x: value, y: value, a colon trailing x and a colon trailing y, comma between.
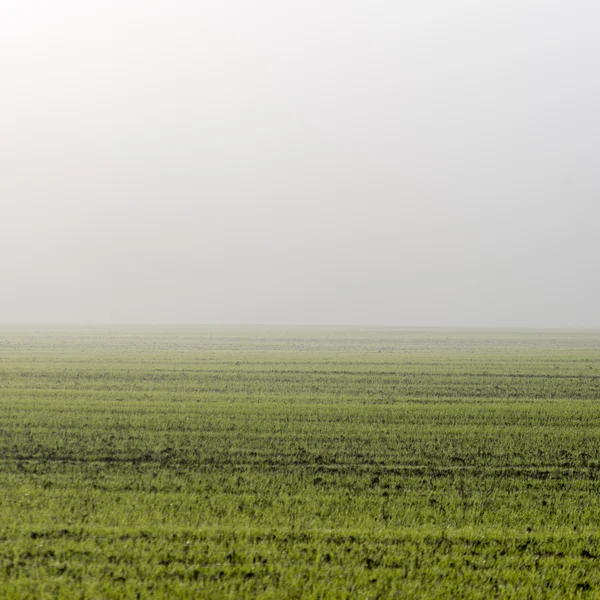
x: 366, y: 162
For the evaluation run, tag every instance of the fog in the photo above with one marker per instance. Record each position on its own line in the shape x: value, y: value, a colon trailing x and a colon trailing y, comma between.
x: 361, y: 162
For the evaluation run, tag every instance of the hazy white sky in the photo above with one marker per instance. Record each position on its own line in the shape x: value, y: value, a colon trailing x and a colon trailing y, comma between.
x: 401, y: 162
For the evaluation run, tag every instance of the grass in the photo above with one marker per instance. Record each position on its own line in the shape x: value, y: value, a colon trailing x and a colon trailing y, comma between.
x: 299, y: 463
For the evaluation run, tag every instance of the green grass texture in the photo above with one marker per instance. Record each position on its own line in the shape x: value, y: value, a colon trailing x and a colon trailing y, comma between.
x: 282, y: 462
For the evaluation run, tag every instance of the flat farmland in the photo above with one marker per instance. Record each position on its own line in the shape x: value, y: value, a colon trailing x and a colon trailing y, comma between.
x: 239, y: 462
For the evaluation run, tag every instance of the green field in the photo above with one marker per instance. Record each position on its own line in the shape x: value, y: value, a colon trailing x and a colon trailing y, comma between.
x: 299, y: 463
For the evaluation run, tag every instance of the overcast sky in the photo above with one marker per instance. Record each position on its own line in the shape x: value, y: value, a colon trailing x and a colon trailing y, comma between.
x: 389, y: 162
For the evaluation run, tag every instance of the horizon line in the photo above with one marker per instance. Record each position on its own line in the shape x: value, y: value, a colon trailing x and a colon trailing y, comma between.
x: 305, y: 326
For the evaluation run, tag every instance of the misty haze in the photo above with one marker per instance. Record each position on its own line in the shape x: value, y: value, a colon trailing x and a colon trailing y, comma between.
x: 388, y: 163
